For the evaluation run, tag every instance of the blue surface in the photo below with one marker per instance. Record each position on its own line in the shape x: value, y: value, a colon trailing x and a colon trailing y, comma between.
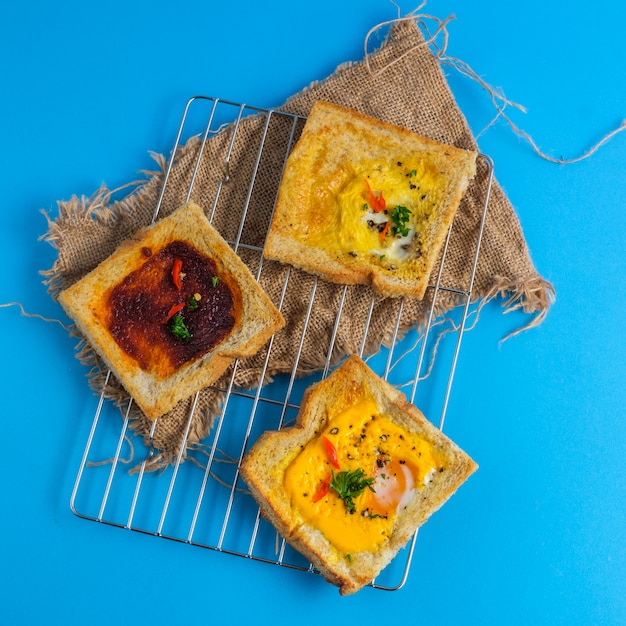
x: 537, y: 536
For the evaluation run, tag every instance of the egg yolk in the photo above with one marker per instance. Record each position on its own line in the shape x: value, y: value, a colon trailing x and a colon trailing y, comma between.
x: 392, y: 463
x: 380, y: 209
x: 395, y: 481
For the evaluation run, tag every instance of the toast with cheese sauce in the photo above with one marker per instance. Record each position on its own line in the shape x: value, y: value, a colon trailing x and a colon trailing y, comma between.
x: 362, y: 201
x: 351, y: 482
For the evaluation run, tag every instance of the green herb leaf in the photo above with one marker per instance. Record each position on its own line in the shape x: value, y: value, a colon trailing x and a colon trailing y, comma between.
x: 400, y: 216
x: 178, y: 328
x: 192, y: 303
x: 215, y: 281
x: 350, y: 485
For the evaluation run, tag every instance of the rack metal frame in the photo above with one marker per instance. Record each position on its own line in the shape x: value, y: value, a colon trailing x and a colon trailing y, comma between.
x: 201, y: 500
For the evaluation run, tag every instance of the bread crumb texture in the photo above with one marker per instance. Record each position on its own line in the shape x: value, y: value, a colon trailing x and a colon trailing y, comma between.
x: 365, y: 202
x: 352, y: 481
x: 170, y: 309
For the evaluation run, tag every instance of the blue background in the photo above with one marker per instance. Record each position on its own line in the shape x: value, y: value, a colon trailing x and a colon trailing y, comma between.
x: 537, y: 535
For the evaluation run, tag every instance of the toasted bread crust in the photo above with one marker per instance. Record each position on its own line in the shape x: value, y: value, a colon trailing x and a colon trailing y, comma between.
x: 156, y: 388
x: 336, y: 145
x: 263, y: 468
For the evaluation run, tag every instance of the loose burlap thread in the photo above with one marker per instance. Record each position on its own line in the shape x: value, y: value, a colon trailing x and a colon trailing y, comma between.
x: 402, y: 83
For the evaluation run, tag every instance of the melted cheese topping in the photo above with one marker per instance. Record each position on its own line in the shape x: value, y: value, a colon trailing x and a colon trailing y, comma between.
x: 346, y: 220
x: 400, y: 463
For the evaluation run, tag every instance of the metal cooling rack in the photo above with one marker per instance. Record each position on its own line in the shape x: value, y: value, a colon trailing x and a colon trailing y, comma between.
x: 203, y: 501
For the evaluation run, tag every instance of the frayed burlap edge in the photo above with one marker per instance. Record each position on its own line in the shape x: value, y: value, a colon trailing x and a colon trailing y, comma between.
x: 532, y: 294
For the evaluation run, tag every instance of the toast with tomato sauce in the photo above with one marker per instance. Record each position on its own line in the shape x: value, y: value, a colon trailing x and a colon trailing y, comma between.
x: 362, y: 201
x: 171, y: 309
x: 350, y: 483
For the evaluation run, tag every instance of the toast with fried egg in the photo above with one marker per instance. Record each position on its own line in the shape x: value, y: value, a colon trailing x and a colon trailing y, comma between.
x: 171, y: 309
x: 349, y: 484
x: 362, y: 201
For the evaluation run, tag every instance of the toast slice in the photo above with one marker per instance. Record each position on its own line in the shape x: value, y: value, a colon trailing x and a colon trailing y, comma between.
x: 351, y: 482
x: 169, y: 310
x: 364, y: 202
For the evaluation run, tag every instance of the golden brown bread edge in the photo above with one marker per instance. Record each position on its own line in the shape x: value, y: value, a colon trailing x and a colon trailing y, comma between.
x: 264, y: 465
x: 255, y: 322
x: 296, y: 191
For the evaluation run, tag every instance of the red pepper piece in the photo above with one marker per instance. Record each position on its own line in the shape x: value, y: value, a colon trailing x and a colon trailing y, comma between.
x: 175, y: 309
x: 379, y: 203
x: 178, y: 265
x: 323, y: 490
x: 370, y: 194
x: 383, y: 232
x: 331, y: 451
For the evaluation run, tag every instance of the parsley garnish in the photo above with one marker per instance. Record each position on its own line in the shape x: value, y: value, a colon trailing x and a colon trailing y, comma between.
x: 400, y: 217
x: 192, y: 303
x: 178, y: 328
x: 349, y: 485
x: 412, y: 173
x: 215, y: 281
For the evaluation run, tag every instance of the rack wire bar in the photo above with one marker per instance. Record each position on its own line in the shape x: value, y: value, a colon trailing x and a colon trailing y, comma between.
x: 204, y: 502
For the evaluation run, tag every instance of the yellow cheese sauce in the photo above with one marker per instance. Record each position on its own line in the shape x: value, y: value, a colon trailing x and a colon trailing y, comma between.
x: 400, y: 463
x: 348, y: 216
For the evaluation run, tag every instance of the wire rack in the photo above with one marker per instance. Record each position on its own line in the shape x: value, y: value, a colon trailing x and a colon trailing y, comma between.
x: 200, y: 499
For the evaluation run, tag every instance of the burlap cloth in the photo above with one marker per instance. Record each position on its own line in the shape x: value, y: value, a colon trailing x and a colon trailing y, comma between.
x: 401, y: 82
